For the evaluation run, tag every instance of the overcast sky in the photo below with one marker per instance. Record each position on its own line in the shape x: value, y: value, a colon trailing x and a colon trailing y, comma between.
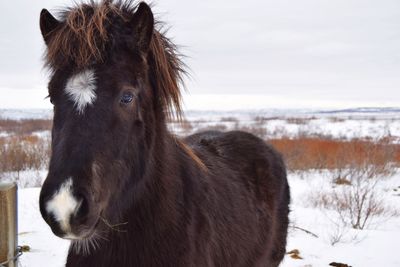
x: 290, y: 53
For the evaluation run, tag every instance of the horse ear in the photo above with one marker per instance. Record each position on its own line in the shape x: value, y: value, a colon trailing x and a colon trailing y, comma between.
x: 48, y: 23
x: 142, y: 25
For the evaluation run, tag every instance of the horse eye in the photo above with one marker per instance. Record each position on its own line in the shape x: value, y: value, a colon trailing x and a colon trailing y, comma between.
x: 126, y: 98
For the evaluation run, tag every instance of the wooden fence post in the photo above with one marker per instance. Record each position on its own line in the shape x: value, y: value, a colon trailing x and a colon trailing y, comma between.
x: 8, y: 223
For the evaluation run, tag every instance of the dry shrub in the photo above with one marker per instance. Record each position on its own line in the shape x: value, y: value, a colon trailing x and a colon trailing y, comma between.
x: 336, y: 119
x: 355, y: 205
x: 215, y: 127
x: 24, y: 127
x: 265, y: 119
x: 298, y: 121
x: 304, y: 153
x: 23, y: 153
x: 341, y: 181
x: 257, y: 128
x: 229, y: 119
x: 354, y: 197
x: 254, y: 129
x: 397, y: 156
x: 185, y: 127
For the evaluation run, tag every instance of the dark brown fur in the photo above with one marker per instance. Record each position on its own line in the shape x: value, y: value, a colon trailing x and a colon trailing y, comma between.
x: 84, y: 37
x: 149, y: 198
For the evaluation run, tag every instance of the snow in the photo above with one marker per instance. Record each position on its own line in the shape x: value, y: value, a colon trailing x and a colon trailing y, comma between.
x: 46, y: 248
x: 25, y: 178
x: 374, y: 246
x: 277, y: 123
x: 18, y: 114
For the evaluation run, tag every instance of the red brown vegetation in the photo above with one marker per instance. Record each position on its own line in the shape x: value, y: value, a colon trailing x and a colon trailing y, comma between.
x: 23, y: 127
x: 23, y: 152
x: 303, y: 153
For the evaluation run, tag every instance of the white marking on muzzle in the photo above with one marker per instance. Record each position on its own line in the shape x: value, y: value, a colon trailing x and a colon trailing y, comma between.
x: 81, y: 89
x: 62, y: 205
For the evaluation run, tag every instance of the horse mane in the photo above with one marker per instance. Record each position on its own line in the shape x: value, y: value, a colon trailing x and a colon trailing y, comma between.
x: 82, y: 38
x: 191, y: 154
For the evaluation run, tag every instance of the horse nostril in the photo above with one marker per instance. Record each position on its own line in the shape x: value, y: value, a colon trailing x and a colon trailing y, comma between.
x: 84, y: 207
x: 79, y: 215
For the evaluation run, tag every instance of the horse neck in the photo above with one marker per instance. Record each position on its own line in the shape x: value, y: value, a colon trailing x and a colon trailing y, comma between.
x: 156, y: 212
x: 160, y: 181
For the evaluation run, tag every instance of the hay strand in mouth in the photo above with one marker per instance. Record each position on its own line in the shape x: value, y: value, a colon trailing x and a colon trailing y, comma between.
x: 114, y: 227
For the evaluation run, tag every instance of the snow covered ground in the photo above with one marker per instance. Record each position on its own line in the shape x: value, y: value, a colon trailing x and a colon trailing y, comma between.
x: 336, y: 127
x: 46, y: 249
x: 373, y: 123
x: 374, y: 246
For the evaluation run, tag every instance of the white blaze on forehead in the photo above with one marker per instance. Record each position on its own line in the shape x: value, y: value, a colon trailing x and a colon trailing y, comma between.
x: 81, y: 89
x: 63, y: 204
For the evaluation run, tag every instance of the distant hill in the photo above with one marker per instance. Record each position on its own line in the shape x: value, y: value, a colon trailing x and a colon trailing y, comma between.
x: 364, y: 110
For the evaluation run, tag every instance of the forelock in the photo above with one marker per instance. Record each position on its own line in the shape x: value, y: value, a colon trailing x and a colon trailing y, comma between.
x: 81, y: 39
x: 84, y: 31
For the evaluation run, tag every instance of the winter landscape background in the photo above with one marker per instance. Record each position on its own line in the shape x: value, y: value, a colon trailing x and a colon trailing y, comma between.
x: 317, y: 79
x: 343, y: 170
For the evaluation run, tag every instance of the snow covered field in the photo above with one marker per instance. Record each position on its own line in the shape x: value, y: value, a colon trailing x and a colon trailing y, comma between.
x: 370, y: 123
x: 374, y: 246
x: 291, y: 123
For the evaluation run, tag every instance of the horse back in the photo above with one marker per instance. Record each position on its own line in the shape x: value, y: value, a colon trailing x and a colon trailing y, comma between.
x: 248, y: 190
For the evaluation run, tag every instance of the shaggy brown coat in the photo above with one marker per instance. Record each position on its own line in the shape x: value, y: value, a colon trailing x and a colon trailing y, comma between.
x: 149, y: 198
